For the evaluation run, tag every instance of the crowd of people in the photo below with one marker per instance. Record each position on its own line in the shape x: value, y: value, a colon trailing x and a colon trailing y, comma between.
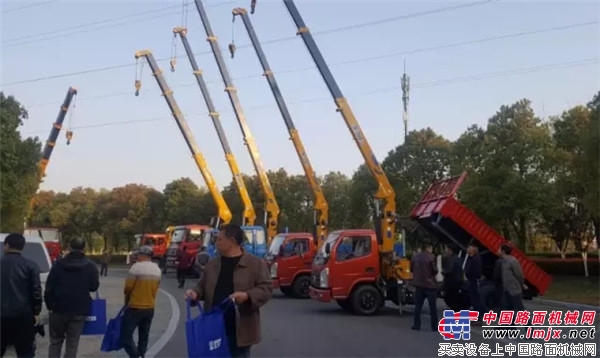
x: 462, y: 282
x: 74, y: 277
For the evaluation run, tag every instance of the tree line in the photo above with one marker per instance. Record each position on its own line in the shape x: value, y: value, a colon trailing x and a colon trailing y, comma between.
x: 535, y: 181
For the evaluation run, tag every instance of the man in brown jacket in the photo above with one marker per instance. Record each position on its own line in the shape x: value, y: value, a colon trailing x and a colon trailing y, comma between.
x: 241, y: 276
x: 424, y: 270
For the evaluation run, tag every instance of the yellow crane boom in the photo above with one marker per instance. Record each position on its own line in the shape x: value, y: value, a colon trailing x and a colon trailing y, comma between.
x: 224, y: 214
x: 249, y: 216
x: 320, y: 203
x: 271, y: 207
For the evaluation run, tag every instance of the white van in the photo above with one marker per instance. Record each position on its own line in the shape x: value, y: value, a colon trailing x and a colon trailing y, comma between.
x: 35, y: 250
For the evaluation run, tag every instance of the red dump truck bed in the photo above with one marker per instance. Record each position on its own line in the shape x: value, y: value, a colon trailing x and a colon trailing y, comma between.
x: 448, y: 220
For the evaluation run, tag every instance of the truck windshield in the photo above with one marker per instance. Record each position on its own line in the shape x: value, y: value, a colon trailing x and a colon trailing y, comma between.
x: 178, y: 236
x: 331, y: 239
x: 260, y: 237
x: 276, y: 245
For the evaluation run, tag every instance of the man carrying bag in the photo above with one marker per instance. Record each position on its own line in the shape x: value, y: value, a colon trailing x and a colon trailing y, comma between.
x: 67, y: 297
x: 240, y: 277
x: 140, y: 290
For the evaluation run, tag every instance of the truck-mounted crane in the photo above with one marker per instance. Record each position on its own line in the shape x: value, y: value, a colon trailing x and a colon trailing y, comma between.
x: 255, y: 234
x: 360, y: 250
x: 290, y: 254
x: 50, y: 236
x: 271, y: 206
x: 195, y: 233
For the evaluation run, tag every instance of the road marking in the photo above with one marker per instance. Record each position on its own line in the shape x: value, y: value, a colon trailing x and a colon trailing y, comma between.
x: 171, y: 328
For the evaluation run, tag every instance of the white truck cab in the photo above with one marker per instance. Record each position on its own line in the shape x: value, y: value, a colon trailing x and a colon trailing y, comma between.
x: 35, y: 250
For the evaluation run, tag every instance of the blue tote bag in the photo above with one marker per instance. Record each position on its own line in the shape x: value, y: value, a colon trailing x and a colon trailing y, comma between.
x: 205, y: 333
x: 112, y: 335
x: 95, y: 323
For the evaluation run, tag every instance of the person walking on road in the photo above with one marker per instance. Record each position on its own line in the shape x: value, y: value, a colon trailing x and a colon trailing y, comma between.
x: 452, y: 271
x: 513, y: 281
x: 473, y: 272
x: 202, y: 259
x: 183, y: 265
x: 104, y: 261
x: 424, y: 270
x: 140, y: 290
x: 68, y: 299
x: 20, y: 297
x: 244, y: 278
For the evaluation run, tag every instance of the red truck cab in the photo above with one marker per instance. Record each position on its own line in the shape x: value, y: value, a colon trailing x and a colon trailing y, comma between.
x: 289, y: 257
x: 190, y: 237
x: 347, y: 269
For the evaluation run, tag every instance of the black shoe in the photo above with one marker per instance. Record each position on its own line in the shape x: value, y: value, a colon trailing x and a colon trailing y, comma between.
x: 415, y: 328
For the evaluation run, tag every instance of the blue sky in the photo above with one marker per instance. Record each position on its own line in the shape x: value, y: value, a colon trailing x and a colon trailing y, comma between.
x: 120, y: 138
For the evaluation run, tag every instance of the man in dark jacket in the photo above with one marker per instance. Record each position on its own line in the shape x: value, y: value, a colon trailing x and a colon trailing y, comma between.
x: 21, y: 298
x: 242, y: 277
x: 424, y: 270
x: 473, y: 272
x: 452, y: 271
x: 67, y: 297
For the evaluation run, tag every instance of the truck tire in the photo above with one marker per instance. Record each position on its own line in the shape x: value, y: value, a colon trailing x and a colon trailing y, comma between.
x: 301, y: 285
x: 366, y: 300
x: 345, y: 304
x: 287, y: 291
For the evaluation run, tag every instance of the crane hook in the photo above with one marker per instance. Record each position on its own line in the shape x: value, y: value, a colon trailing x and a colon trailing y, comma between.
x: 69, y: 136
x: 173, y: 62
x: 138, y: 85
x: 232, y: 49
x: 252, y: 6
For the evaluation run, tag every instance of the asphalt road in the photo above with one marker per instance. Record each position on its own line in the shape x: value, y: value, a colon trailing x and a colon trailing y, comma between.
x: 294, y: 328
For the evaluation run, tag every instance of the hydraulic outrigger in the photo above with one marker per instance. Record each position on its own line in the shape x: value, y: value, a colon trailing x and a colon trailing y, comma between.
x: 390, y: 268
x: 224, y: 214
x: 320, y: 203
x: 271, y: 207
x: 249, y: 216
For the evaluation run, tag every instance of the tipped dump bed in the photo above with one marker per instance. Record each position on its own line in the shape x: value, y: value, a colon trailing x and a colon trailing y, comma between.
x: 450, y: 221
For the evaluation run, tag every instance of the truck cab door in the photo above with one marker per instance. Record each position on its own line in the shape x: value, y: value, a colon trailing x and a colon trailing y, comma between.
x: 355, y: 258
x: 293, y: 259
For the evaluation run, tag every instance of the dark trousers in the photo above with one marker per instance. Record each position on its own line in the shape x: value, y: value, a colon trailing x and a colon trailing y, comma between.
x: 103, y: 269
x: 476, y: 301
x: 132, y: 319
x: 20, y: 333
x: 65, y: 327
x: 431, y: 295
x: 181, y: 273
x: 239, y: 352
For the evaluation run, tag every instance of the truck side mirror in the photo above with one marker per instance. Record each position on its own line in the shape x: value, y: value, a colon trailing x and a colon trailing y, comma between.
x: 327, y: 248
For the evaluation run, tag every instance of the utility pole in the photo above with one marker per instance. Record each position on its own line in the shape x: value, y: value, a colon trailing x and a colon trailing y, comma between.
x: 405, y: 96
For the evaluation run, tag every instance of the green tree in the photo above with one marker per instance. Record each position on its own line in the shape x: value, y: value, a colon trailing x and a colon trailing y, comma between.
x: 19, y: 160
x: 186, y: 203
x: 337, y: 188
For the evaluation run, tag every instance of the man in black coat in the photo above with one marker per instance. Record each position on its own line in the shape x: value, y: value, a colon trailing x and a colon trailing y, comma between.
x: 453, y: 274
x: 473, y: 272
x: 67, y: 297
x: 21, y: 298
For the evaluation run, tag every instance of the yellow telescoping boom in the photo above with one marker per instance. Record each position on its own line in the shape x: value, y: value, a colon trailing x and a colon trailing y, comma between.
x: 249, y: 213
x: 271, y: 207
x: 385, y: 192
x: 224, y: 216
x: 320, y: 203
x: 52, y: 137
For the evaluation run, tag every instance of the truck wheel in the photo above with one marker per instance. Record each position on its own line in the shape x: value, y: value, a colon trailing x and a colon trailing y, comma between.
x: 345, y: 304
x: 301, y: 285
x: 287, y: 291
x: 366, y: 300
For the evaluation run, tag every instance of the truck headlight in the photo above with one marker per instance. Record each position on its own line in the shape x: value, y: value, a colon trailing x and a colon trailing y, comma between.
x: 324, y: 278
x: 274, y: 267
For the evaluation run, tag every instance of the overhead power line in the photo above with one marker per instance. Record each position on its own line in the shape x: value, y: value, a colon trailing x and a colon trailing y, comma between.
x: 287, y: 38
x: 340, y: 63
x: 14, y: 9
x: 428, y: 84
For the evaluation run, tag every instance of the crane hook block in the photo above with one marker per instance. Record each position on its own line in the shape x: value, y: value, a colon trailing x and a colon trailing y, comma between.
x: 173, y: 62
x: 138, y: 85
x: 69, y: 136
x: 232, y: 49
x: 252, y: 6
